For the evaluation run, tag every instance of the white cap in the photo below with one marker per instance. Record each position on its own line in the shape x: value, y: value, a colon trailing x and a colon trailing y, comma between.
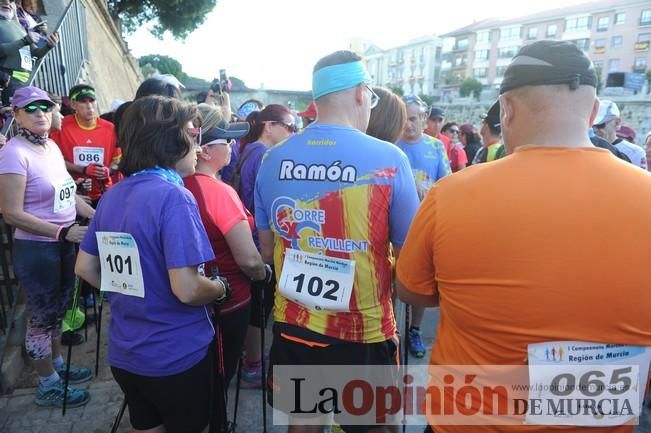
x: 115, y: 104
x: 170, y: 79
x: 608, y: 110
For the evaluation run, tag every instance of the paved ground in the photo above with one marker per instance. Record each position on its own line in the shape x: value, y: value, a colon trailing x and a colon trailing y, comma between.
x: 19, y: 415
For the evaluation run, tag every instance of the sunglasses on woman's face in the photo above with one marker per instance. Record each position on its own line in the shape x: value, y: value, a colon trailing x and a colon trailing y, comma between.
x: 454, y: 131
x: 290, y: 126
x: 31, y: 108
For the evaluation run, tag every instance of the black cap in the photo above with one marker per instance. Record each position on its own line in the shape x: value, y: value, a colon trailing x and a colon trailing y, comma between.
x: 492, y: 118
x: 436, y: 113
x: 225, y: 131
x: 549, y: 62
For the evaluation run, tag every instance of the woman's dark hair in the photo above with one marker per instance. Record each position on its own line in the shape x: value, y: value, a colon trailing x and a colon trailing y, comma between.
x: 388, y: 118
x: 156, y: 86
x: 153, y: 133
x: 256, y: 119
x: 447, y: 126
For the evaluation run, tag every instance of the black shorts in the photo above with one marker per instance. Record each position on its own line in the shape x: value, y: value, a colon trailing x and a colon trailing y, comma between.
x: 181, y: 402
x: 285, y: 351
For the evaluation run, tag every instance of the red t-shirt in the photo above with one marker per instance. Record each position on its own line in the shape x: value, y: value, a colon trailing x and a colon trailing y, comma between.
x: 221, y: 209
x: 82, y: 146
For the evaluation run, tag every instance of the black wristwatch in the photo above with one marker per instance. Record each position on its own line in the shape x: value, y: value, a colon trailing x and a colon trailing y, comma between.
x: 227, y: 289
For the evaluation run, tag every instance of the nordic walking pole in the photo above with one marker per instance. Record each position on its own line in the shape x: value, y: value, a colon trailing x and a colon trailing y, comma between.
x: 75, y: 302
x: 263, y: 326
x: 220, y: 383
x: 98, y: 328
x: 118, y: 418
x: 406, y: 356
x: 237, y: 393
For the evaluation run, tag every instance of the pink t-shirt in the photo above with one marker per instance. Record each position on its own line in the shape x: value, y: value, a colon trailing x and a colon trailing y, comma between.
x: 49, y: 189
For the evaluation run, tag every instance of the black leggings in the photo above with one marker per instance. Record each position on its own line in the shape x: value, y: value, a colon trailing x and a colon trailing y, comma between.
x: 233, y: 328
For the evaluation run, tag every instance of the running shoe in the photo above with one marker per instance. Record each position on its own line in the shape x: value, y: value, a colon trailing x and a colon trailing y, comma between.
x: 77, y: 375
x: 416, y: 345
x: 53, y: 396
x: 252, y: 375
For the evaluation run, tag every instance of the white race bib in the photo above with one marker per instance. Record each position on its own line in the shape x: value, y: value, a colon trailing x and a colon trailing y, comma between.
x: 84, y: 156
x: 120, y: 262
x: 25, y: 58
x: 317, y: 281
x: 586, y: 384
x: 64, y: 194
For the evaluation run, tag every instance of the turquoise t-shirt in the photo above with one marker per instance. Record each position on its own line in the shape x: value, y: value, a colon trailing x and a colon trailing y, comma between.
x: 429, y: 162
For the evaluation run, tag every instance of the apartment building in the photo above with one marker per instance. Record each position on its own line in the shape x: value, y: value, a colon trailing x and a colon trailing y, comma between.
x: 413, y: 67
x: 616, y: 35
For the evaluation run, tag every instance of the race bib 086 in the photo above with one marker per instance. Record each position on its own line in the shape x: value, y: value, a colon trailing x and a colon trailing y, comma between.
x: 316, y: 281
x: 120, y: 263
x: 25, y: 58
x: 84, y: 156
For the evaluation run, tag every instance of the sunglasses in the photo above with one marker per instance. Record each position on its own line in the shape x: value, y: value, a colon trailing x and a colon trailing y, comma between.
x: 196, y: 134
x: 454, y: 131
x: 31, y: 108
x: 221, y: 141
x: 290, y: 126
x: 375, y: 99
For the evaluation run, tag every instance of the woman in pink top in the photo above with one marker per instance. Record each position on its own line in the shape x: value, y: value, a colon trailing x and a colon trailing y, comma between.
x: 37, y: 197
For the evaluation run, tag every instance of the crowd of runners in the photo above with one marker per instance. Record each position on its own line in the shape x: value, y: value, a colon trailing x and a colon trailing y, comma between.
x: 198, y: 220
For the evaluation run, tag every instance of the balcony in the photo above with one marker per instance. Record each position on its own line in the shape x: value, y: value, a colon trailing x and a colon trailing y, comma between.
x: 641, y: 47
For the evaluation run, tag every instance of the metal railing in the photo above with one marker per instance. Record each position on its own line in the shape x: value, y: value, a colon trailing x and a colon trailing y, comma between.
x: 56, y: 72
x: 61, y: 67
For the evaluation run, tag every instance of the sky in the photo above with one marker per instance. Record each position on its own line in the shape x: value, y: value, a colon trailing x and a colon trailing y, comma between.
x: 274, y: 44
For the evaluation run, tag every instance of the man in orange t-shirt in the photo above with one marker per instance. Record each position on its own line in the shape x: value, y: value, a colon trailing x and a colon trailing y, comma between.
x: 534, y: 256
x: 88, y: 143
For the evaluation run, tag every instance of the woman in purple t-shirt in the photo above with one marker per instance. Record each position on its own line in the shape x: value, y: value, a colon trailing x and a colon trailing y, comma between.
x: 148, y: 240
x: 37, y: 197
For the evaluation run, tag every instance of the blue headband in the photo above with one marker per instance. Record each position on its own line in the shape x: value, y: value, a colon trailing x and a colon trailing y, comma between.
x: 338, y: 77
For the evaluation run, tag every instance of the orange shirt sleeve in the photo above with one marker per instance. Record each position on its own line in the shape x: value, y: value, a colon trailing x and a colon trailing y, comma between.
x: 415, y: 268
x: 224, y: 206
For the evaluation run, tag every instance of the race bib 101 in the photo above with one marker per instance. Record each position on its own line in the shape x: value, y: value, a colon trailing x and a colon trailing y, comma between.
x: 84, y: 156
x: 586, y: 384
x: 64, y: 194
x: 316, y: 281
x: 120, y: 262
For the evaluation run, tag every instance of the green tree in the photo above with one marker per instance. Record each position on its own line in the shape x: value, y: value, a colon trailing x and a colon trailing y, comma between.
x: 426, y: 99
x: 179, y: 17
x: 470, y: 87
x: 164, y: 65
x: 397, y: 90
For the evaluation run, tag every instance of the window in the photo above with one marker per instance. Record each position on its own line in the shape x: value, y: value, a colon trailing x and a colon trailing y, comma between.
x: 510, y: 33
x: 577, y: 24
x: 613, y: 65
x: 481, y: 72
x: 507, y: 52
x: 499, y: 71
x: 584, y: 44
x: 640, y: 64
x: 551, y: 30
x: 483, y: 36
x: 645, y: 18
x: 482, y: 55
x: 644, y: 37
x: 602, y: 24
x: 460, y: 61
x: 620, y: 18
x: 617, y: 41
x: 462, y: 44
x: 532, y: 33
x: 600, y: 43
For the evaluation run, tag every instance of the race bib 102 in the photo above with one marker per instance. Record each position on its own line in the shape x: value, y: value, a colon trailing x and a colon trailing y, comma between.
x: 586, y: 384
x: 84, y: 156
x: 316, y: 281
x: 120, y: 262
x: 64, y: 194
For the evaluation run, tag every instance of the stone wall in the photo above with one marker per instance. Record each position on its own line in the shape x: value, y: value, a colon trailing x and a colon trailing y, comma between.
x: 112, y: 69
x: 635, y: 112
